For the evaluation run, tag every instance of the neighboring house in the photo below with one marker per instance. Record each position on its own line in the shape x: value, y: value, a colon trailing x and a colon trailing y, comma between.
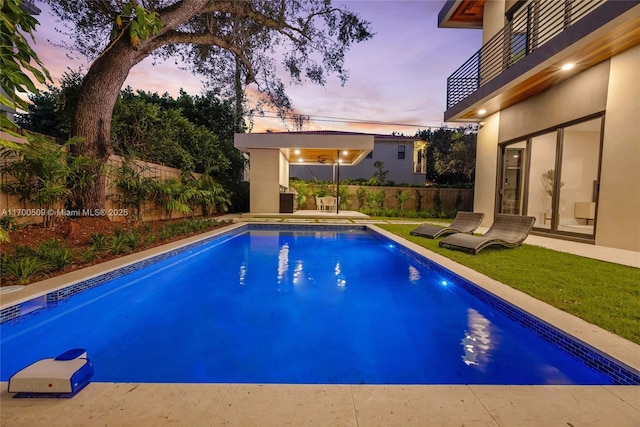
x: 403, y: 157
x: 555, y: 89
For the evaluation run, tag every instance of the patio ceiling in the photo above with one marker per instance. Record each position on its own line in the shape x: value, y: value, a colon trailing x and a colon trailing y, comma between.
x: 321, y: 156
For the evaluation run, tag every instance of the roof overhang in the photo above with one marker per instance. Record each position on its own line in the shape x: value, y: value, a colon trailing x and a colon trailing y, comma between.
x: 310, y: 148
x: 461, y: 14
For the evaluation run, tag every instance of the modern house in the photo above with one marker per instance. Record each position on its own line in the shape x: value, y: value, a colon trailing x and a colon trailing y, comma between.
x: 555, y: 89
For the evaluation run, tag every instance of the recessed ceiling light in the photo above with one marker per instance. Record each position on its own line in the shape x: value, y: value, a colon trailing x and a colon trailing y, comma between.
x: 297, y: 152
x: 482, y: 111
x: 345, y: 152
x: 567, y: 66
x: 300, y: 160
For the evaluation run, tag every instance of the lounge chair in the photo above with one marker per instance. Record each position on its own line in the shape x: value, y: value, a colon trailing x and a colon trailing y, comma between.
x: 464, y: 222
x: 507, y: 230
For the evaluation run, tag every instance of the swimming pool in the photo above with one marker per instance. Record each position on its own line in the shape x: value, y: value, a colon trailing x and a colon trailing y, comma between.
x: 337, y: 305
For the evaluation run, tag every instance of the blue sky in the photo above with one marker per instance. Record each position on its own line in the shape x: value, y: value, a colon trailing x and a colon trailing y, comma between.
x: 398, y: 77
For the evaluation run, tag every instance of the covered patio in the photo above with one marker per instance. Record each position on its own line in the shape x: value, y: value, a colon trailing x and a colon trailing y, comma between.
x: 271, y: 153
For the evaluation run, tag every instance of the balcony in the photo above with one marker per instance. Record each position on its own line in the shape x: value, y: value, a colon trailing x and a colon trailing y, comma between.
x: 524, y: 57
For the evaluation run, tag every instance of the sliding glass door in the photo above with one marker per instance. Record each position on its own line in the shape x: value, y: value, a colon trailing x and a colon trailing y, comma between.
x: 553, y: 176
x: 578, y: 198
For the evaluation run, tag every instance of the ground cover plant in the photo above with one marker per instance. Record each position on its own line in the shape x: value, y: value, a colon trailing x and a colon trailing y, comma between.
x: 602, y: 293
x: 35, y: 253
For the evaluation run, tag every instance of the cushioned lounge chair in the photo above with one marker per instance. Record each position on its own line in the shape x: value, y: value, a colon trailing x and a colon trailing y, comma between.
x: 464, y: 222
x: 507, y: 230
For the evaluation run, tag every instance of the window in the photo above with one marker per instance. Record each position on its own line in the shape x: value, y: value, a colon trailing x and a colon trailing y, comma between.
x: 401, y: 149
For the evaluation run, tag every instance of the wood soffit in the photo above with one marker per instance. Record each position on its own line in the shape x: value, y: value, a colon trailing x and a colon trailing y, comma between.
x: 469, y: 12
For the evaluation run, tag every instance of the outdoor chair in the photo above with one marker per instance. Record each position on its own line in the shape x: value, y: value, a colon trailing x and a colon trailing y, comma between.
x: 464, y: 222
x: 328, y: 203
x: 507, y: 230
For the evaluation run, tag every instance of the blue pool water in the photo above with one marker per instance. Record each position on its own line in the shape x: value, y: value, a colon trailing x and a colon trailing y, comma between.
x: 269, y: 306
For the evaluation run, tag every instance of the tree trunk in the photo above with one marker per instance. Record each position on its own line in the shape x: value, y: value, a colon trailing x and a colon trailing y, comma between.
x: 92, y: 121
x: 100, y: 91
x: 239, y: 107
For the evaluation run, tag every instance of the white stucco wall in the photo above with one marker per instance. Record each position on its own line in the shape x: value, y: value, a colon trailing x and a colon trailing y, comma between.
x: 579, y: 96
x: 619, y: 207
x: 486, y: 161
x: 611, y: 86
x: 264, y: 178
x: 493, y: 19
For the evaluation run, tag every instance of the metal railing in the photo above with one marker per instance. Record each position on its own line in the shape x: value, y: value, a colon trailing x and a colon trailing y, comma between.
x: 530, y: 28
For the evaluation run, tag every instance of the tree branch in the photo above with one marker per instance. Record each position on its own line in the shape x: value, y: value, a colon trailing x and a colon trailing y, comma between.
x: 207, y: 39
x: 244, y: 9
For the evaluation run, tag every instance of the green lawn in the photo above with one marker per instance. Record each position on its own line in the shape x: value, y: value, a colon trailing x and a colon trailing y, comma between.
x: 602, y: 293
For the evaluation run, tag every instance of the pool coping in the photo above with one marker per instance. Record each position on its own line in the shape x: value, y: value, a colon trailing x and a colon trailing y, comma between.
x: 602, y: 341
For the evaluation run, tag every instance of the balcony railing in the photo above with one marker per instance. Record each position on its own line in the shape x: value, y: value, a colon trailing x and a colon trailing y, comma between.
x: 529, y: 29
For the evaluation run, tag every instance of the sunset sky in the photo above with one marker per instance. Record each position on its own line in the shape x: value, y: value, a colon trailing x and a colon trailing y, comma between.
x: 398, y: 77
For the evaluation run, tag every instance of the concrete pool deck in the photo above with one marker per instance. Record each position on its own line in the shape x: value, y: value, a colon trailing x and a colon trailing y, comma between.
x: 124, y: 404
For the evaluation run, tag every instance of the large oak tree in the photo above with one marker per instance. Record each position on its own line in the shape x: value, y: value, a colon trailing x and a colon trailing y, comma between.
x: 228, y: 41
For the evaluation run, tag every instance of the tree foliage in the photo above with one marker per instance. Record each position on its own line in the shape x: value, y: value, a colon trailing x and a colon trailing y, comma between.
x: 51, y: 112
x: 17, y: 56
x: 190, y: 133
x: 451, y: 155
x: 193, y: 133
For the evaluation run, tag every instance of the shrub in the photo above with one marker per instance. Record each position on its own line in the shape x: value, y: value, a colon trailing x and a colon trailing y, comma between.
x: 164, y: 233
x: 150, y: 239
x: 23, y: 268
x: 89, y: 255
x: 375, y: 199
x: 54, y: 254
x: 132, y: 239
x: 402, y: 197
x: 361, y: 196
x: 118, y: 244
x: 98, y: 241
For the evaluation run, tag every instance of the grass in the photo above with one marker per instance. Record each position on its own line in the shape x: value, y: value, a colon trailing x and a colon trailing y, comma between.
x: 602, y: 293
